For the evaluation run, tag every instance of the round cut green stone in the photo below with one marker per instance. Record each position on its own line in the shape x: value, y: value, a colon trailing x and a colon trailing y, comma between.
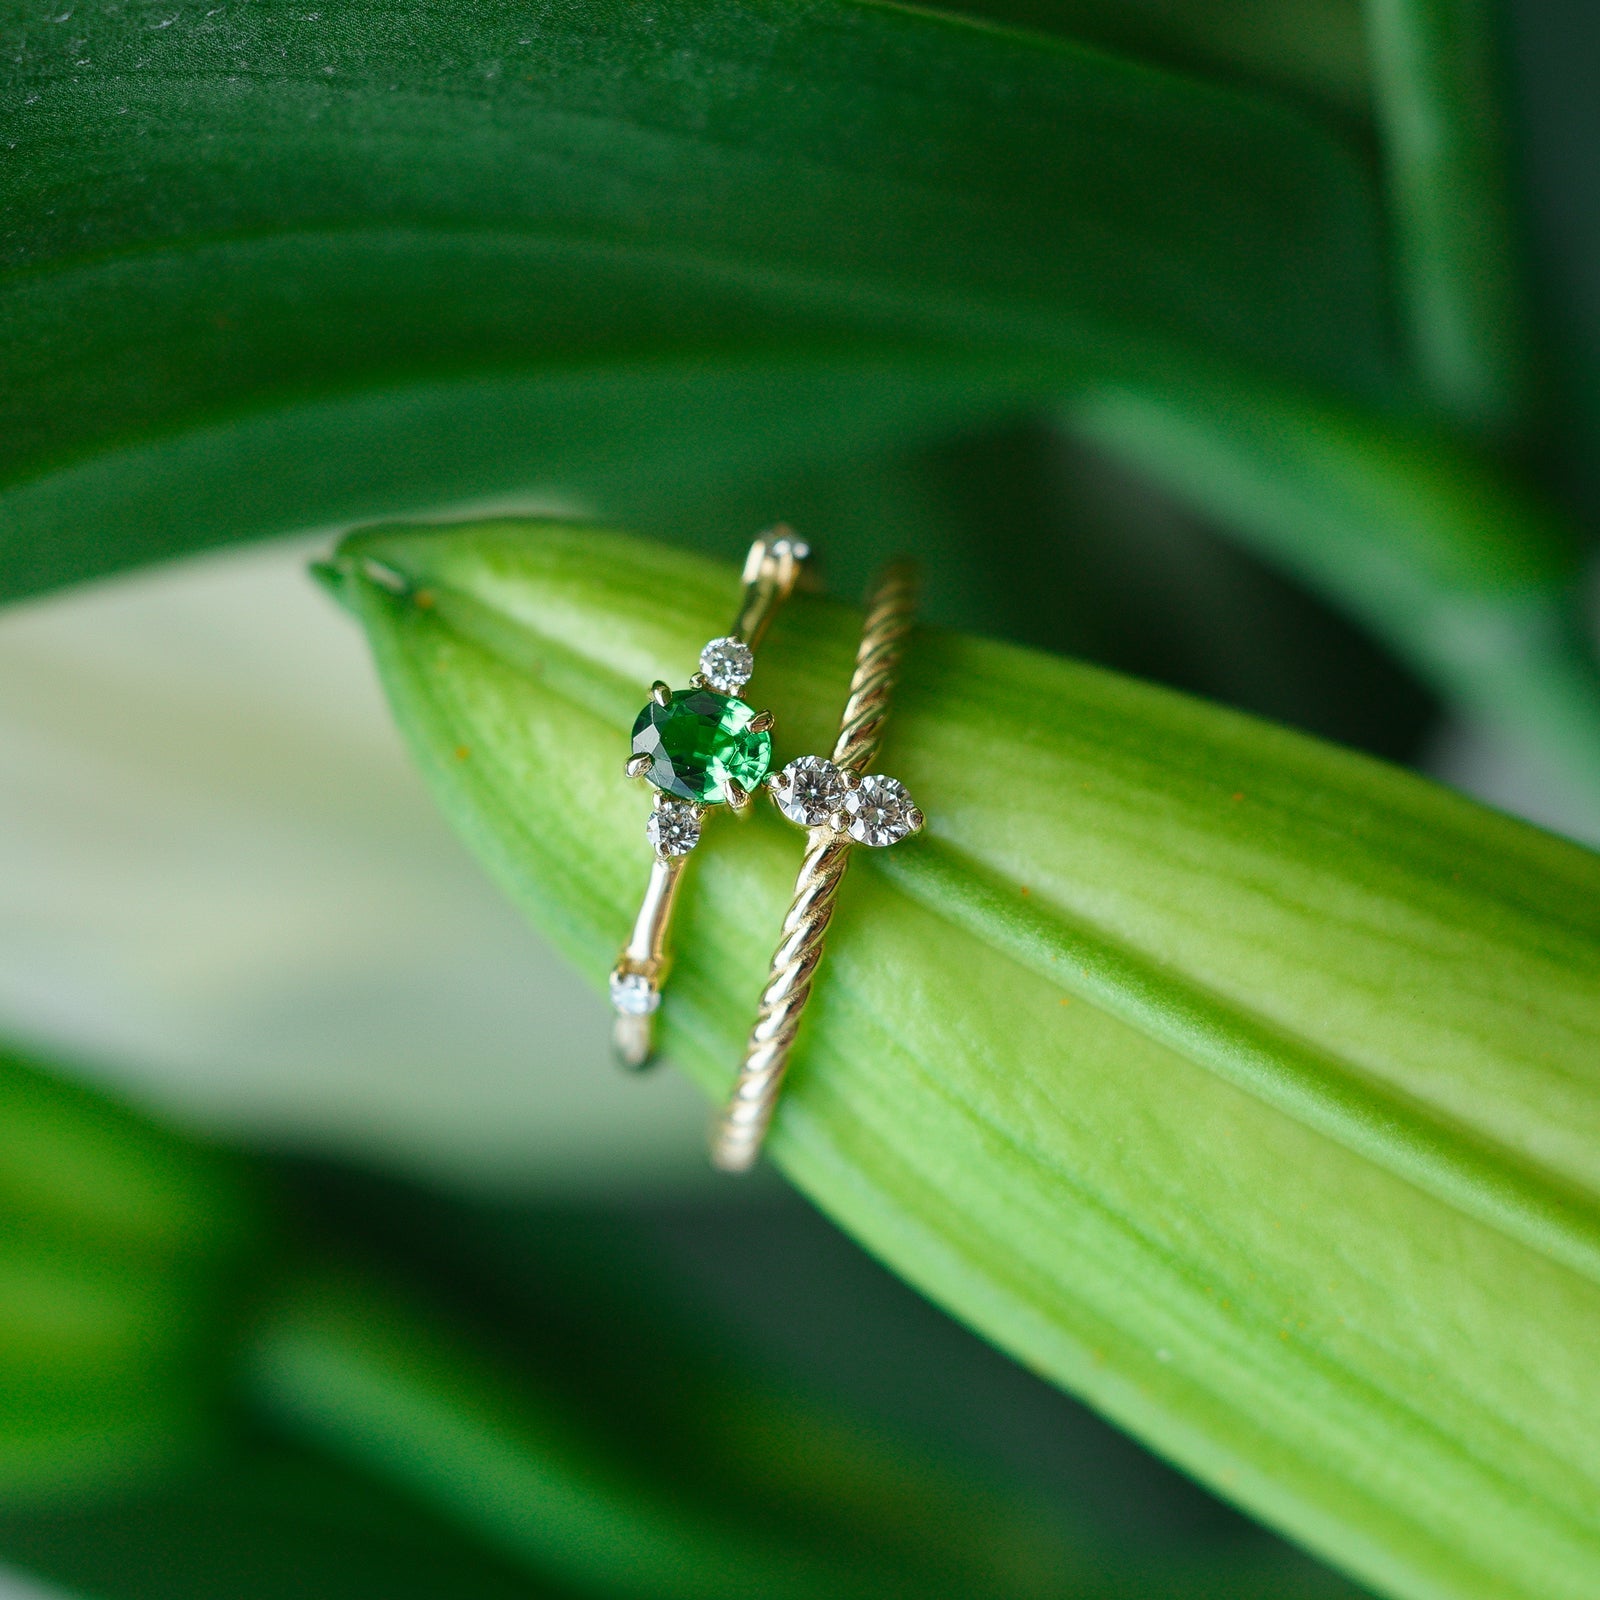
x: 698, y: 741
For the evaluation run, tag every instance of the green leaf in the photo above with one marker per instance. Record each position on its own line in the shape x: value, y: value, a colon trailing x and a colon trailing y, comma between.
x: 1244, y: 1086
x: 59, y: 1448
x: 1310, y: 50
x: 274, y: 271
x: 1438, y: 90
x: 120, y: 1252
x: 78, y: 1166
x: 632, y: 1466
x: 268, y: 269
x: 263, y: 1520
x: 730, y: 1485
x: 396, y: 1389
x: 1463, y: 573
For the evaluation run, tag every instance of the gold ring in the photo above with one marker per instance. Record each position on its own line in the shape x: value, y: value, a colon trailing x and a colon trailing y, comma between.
x: 840, y: 808
x: 698, y: 747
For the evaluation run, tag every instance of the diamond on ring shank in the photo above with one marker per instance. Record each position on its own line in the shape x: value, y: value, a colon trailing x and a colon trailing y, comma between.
x: 879, y: 812
x: 727, y: 664
x: 673, y: 828
x: 809, y: 790
x: 633, y: 995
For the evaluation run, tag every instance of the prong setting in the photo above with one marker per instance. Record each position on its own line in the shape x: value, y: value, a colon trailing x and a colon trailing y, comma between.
x: 661, y: 693
x: 637, y: 766
x: 762, y: 722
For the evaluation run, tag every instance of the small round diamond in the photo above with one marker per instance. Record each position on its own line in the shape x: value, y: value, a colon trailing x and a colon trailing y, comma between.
x: 633, y: 995
x: 673, y: 828
x: 727, y: 664
x: 879, y: 812
x: 809, y: 791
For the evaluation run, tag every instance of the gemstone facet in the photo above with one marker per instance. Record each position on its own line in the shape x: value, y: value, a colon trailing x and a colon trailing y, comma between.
x: 699, y: 742
x: 809, y: 790
x: 880, y: 812
x: 633, y: 995
x: 673, y: 828
x: 727, y: 664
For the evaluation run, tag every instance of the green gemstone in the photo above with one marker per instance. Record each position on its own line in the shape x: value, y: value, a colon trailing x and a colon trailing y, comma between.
x: 700, y: 740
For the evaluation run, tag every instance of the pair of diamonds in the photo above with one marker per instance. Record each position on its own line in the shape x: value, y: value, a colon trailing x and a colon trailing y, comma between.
x: 876, y: 811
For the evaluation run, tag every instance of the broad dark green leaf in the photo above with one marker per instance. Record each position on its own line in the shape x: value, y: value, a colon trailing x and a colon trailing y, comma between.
x: 1244, y: 1086
x: 1308, y: 50
x: 270, y: 268
x: 267, y: 270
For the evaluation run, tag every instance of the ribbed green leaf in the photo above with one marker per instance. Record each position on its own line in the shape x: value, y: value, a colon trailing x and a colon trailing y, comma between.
x: 1247, y: 1087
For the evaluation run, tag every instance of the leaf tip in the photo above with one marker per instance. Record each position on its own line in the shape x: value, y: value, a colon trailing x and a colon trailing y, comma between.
x: 331, y: 577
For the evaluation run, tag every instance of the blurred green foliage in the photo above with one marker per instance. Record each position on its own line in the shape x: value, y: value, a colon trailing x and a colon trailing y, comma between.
x: 120, y: 1262
x: 212, y: 1375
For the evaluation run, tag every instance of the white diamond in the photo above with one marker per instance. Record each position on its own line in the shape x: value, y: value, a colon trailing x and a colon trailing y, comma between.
x: 880, y: 812
x: 633, y: 995
x: 673, y: 828
x: 727, y: 664
x: 809, y: 791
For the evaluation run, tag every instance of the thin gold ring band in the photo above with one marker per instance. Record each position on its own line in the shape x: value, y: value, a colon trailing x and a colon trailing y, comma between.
x: 841, y: 808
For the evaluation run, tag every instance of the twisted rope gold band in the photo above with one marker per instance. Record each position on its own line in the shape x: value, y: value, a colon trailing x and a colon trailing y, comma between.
x: 740, y: 1131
